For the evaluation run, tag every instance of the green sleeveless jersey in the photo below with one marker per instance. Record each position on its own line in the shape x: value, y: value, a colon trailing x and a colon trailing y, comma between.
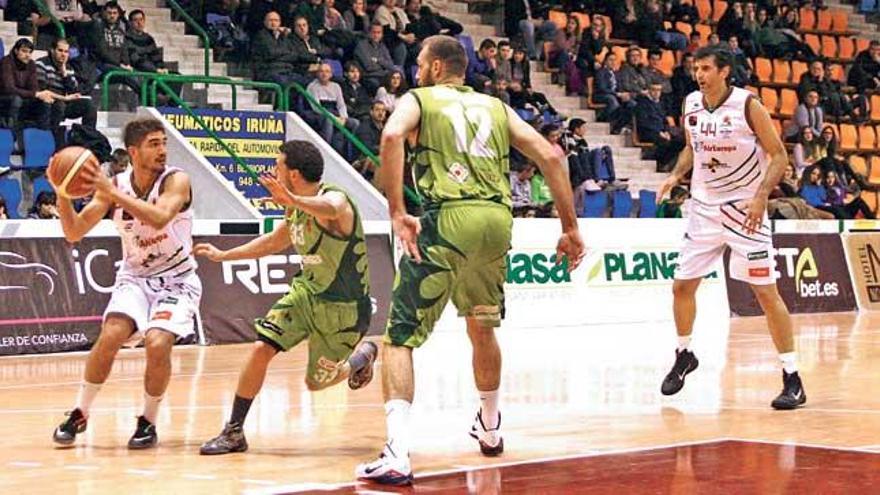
x: 333, y: 268
x: 463, y: 148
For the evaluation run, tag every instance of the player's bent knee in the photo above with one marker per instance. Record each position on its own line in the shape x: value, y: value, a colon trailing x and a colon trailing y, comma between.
x: 685, y: 288
x: 115, y: 330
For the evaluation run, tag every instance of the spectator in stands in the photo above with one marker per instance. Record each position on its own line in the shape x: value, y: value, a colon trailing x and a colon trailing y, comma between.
x: 481, y: 70
x: 779, y: 43
x: 394, y: 20
x: 591, y: 46
x: 695, y: 43
x: 4, y: 214
x: 108, y: 43
x: 732, y: 22
x: 566, y: 41
x: 370, y: 133
x: 308, y: 50
x: 631, y: 77
x: 357, y: 97
x: 833, y: 101
x: 684, y: 11
x: 21, y: 99
x: 503, y: 61
x: 654, y: 74
x: 809, y: 150
x: 846, y: 200
x: 45, y: 207
x: 329, y: 95
x: 143, y: 52
x: 256, y: 14
x: 865, y: 71
x: 808, y: 114
x: 119, y: 162
x: 742, y: 72
x: 652, y: 30
x: 684, y: 82
x: 653, y: 128
x: 626, y: 20
x: 619, y: 104
x: 580, y: 165
x: 424, y: 22
x: 499, y: 90
x: 333, y: 18
x: 71, y: 15
x: 372, y: 54
x: 56, y: 76
x: 671, y: 208
x: 395, y: 87
x: 315, y: 13
x: 814, y: 192
x: 523, y: 21
x: 521, y: 191
x: 356, y: 18
x: 714, y: 39
x: 272, y: 53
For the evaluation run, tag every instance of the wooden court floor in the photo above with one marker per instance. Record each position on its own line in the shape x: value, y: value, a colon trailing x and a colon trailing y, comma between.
x: 567, y: 394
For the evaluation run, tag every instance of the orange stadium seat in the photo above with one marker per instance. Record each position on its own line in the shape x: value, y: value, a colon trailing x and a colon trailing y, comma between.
x: 846, y: 48
x: 849, y: 137
x: 839, y: 21
x: 558, y: 17
x: 667, y: 62
x: 859, y: 165
x: 763, y: 69
x: 875, y: 108
x: 705, y: 9
x: 788, y: 102
x: 867, y: 137
x: 829, y: 46
x: 770, y: 99
x: 862, y: 44
x: 874, y: 176
x: 753, y: 89
x: 824, y: 20
x: 705, y: 31
x: 684, y: 28
x: 814, y: 42
x: 718, y: 10
x: 870, y: 197
x: 620, y: 51
x: 781, y: 71
x: 808, y: 19
x: 837, y: 72
x: 798, y: 69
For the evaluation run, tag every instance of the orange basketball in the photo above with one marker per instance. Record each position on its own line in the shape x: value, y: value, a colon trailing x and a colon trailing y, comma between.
x: 64, y: 172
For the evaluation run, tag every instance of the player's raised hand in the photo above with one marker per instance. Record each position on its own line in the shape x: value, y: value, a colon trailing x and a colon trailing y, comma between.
x: 570, y: 245
x: 93, y: 174
x: 279, y: 193
x: 407, y: 229
x: 208, y: 251
x: 667, y: 186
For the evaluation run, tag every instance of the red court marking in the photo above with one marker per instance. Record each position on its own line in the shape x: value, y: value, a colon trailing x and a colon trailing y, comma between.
x: 58, y: 319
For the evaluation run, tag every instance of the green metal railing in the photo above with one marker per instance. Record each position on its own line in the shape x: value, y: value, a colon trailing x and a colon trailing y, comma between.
x: 407, y: 191
x: 198, y: 29
x: 150, y: 81
x: 44, y: 9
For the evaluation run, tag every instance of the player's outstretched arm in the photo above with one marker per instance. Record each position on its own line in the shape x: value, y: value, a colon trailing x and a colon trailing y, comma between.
x: 175, y: 195
x: 552, y: 164
x: 769, y: 140
x: 271, y: 243
x: 330, y: 206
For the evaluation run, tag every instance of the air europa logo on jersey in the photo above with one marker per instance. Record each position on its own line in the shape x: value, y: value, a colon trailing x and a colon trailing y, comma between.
x: 537, y: 268
x: 718, y: 148
x: 801, y: 265
x: 636, y: 266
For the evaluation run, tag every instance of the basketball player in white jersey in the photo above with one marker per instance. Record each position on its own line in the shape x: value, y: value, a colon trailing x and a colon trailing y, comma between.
x: 157, y: 291
x: 737, y: 158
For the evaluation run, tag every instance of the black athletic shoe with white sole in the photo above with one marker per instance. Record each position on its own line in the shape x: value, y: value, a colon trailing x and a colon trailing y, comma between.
x: 230, y: 440
x: 793, y: 395
x: 66, y: 432
x: 685, y: 362
x: 144, y: 436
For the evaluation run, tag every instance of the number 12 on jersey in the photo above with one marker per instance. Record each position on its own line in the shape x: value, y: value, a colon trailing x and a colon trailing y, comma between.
x: 461, y: 119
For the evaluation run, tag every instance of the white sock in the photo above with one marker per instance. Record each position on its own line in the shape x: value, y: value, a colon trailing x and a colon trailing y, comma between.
x: 397, y: 421
x: 489, y: 408
x: 85, y: 397
x: 151, y: 407
x: 789, y: 362
x: 684, y: 342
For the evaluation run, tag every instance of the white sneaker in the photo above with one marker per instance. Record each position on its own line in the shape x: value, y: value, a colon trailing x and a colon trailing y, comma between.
x: 388, y: 469
x: 491, y: 443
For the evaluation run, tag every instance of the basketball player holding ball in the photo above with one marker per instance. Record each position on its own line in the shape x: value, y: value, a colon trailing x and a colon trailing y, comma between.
x: 157, y: 291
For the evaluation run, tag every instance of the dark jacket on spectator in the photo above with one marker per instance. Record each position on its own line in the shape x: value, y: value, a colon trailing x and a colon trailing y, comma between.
x: 271, y: 55
x: 315, y: 15
x: 109, y: 42
x: 863, y: 72
x: 309, y: 53
x: 632, y: 79
x: 587, y: 51
x: 369, y: 133
x: 49, y: 78
x: 429, y: 24
x: 605, y: 82
x: 374, y: 58
x: 357, y: 24
x: 478, y: 72
x: 650, y: 118
x: 18, y: 79
x: 682, y: 85
x: 143, y: 52
x: 357, y: 99
x: 825, y: 87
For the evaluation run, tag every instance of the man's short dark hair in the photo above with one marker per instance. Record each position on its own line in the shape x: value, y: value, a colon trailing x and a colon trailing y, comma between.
x: 305, y: 157
x: 45, y: 198
x: 633, y: 49
x: 136, y: 12
x: 721, y: 55
x: 655, y: 52
x: 22, y: 43
x: 119, y: 155
x: 449, y: 51
x: 487, y: 43
x: 351, y: 64
x: 374, y: 23
x: 503, y: 43
x: 136, y: 131
x: 112, y: 4
x: 58, y: 41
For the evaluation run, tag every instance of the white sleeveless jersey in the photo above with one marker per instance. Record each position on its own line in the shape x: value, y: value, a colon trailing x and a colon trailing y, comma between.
x: 149, y: 252
x: 729, y: 163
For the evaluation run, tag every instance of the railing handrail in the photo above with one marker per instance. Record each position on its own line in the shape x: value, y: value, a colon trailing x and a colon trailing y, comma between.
x: 412, y: 195
x: 41, y: 6
x: 198, y: 29
x: 154, y: 77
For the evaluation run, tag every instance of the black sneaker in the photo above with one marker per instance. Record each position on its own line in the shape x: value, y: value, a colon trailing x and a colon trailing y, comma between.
x: 793, y: 395
x: 685, y: 362
x: 360, y: 378
x: 230, y: 440
x: 144, y: 436
x: 66, y: 432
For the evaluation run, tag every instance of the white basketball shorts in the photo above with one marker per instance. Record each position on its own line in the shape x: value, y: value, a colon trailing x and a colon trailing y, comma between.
x: 712, y: 228
x: 168, y: 304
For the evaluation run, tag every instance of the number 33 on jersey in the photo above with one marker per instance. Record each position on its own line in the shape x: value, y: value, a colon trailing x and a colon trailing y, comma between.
x: 463, y: 146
